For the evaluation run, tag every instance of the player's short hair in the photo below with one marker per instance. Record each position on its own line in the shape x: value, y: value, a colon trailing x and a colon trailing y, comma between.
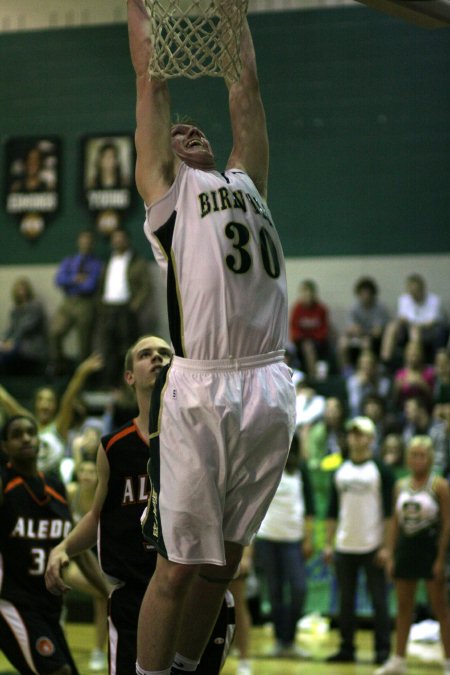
x: 7, y: 425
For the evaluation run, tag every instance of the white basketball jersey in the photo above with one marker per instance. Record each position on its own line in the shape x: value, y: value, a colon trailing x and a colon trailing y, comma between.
x: 213, y: 237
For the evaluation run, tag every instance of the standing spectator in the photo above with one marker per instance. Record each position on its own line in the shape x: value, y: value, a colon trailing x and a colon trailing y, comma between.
x: 309, y: 329
x: 365, y: 323
x: 415, y: 379
x: 359, y: 515
x: 367, y: 379
x: 24, y: 344
x: 34, y: 517
x: 418, y: 547
x: 418, y: 421
x: 420, y: 318
x: 78, y: 277
x: 283, y: 544
x: 125, y: 287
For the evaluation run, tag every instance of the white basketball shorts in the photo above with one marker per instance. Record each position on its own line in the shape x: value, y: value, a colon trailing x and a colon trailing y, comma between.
x: 220, y: 433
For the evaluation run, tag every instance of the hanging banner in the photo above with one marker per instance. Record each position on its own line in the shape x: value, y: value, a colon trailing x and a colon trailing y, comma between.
x: 107, y: 178
x: 33, y: 181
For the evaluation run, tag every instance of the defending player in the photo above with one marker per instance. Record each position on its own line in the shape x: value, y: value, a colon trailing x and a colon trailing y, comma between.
x: 34, y: 516
x: 120, y: 499
x: 221, y: 434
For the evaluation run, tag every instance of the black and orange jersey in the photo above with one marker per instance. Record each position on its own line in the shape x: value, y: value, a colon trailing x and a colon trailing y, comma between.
x: 123, y: 553
x: 34, y: 518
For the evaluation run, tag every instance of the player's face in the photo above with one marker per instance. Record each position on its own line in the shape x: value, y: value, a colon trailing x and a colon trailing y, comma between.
x: 150, y: 355
x: 22, y: 443
x: 419, y: 460
x: 192, y: 147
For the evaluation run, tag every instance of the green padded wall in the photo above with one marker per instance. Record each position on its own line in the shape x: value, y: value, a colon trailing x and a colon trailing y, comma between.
x: 358, y: 108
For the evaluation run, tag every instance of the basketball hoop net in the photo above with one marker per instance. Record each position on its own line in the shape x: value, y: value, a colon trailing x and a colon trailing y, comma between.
x: 192, y: 38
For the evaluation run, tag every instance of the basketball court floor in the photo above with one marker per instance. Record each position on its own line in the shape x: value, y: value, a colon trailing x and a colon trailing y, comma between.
x: 425, y: 661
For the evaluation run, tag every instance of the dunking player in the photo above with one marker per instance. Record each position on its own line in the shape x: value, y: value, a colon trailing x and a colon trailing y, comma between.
x: 120, y: 499
x: 221, y: 435
x: 34, y: 516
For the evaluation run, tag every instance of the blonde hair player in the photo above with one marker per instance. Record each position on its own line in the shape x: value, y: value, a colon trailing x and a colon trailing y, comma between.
x: 224, y: 416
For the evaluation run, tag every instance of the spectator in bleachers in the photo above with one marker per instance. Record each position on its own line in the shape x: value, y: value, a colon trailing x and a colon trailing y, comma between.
x: 309, y: 328
x: 415, y: 378
x: 309, y: 408
x: 375, y: 407
x: 54, y: 418
x: 78, y: 277
x: 328, y: 436
x: 441, y: 389
x: 365, y: 324
x: 419, y: 422
x: 393, y: 452
x: 367, y: 379
x: 24, y: 344
x: 420, y: 318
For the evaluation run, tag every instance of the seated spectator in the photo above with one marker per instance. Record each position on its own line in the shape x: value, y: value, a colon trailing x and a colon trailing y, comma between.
x: 365, y: 324
x: 328, y: 436
x: 419, y: 422
x: 78, y: 277
x: 309, y: 328
x: 375, y: 407
x: 415, y: 379
x: 441, y: 389
x: 366, y: 380
x: 24, y: 344
x: 420, y: 318
x: 310, y: 407
x: 393, y: 452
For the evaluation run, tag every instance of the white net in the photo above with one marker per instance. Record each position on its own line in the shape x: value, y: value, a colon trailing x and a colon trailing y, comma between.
x: 192, y: 38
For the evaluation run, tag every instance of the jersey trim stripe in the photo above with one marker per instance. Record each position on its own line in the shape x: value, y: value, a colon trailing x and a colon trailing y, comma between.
x: 13, y: 484
x: 174, y: 308
x: 55, y: 494
x: 12, y: 617
x: 119, y: 435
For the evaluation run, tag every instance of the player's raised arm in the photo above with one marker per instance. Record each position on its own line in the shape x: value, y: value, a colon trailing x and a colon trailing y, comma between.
x: 155, y: 158
x: 248, y: 121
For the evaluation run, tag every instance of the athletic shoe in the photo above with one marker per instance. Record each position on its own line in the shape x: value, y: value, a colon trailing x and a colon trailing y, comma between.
x: 98, y: 661
x: 294, y: 652
x: 341, y: 657
x: 395, y: 666
x: 244, y: 667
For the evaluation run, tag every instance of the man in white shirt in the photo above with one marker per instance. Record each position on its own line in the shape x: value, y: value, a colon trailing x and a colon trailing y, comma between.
x: 420, y: 318
x: 125, y: 287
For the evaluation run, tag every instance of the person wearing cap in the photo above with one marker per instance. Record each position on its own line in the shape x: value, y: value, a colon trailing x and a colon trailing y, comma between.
x: 358, y: 520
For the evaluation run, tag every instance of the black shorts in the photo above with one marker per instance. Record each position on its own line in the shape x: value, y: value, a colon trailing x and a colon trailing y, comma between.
x: 123, y: 614
x: 415, y: 555
x: 33, y: 640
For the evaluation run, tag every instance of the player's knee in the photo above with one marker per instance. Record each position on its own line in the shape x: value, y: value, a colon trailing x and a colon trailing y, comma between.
x: 171, y: 578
